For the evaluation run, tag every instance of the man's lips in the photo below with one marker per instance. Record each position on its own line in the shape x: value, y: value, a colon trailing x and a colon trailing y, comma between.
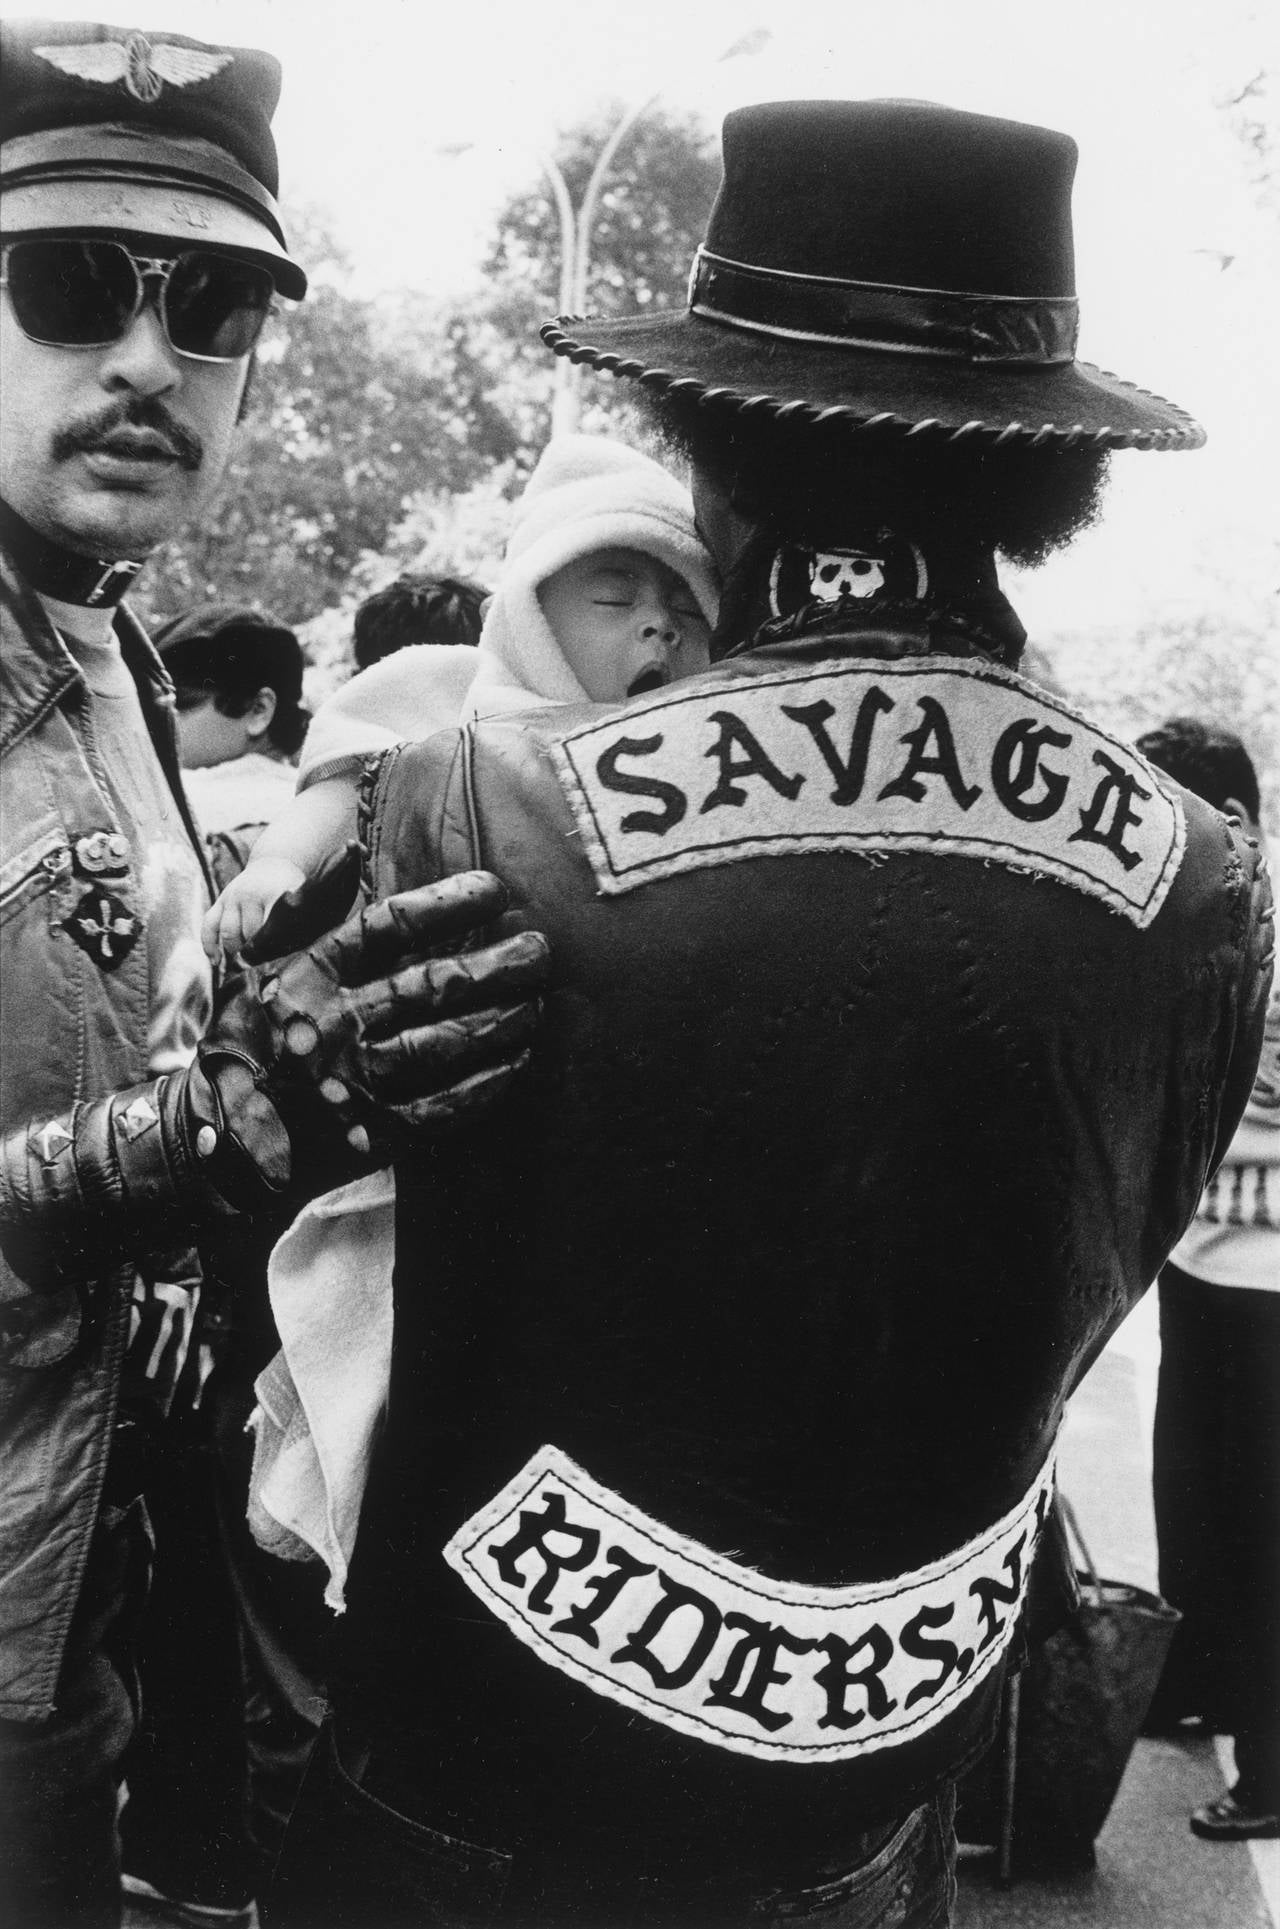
x: 134, y: 445
x: 129, y: 440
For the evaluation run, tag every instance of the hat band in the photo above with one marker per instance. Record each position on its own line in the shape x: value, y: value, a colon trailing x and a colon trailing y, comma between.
x: 116, y: 153
x: 1031, y: 330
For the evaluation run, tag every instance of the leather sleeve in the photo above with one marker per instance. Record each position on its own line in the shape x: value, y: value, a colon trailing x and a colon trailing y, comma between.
x: 416, y: 819
x: 114, y: 1174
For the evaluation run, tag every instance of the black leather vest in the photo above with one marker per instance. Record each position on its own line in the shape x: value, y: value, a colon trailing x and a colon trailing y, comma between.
x: 837, y: 1164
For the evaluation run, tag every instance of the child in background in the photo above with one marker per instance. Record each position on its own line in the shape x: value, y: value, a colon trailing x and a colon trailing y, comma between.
x: 606, y: 592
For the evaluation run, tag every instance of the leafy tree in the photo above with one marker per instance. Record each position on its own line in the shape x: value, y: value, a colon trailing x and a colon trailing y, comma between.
x: 364, y: 417
x: 1252, y: 117
x: 1225, y: 671
x: 354, y: 408
x: 651, y: 215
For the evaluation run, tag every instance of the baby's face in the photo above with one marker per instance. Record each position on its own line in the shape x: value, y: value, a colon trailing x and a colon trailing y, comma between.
x: 625, y: 622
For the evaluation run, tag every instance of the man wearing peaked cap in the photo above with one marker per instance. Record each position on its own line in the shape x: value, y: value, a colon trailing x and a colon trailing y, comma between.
x: 873, y: 1091
x: 141, y: 250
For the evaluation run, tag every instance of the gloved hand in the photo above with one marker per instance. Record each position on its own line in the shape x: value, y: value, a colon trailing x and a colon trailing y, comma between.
x: 316, y: 1067
x: 325, y: 1060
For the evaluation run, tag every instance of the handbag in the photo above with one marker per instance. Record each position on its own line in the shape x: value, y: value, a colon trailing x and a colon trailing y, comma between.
x: 1068, y: 1727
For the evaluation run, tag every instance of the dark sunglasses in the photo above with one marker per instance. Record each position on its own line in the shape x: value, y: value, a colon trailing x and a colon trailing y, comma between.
x: 88, y: 294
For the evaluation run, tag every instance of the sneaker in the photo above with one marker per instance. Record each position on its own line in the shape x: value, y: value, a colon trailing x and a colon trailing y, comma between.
x: 1228, y: 1820
x: 146, y: 1900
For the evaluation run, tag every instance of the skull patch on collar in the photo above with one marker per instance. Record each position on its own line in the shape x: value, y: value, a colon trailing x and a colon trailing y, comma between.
x: 882, y: 564
x: 834, y: 573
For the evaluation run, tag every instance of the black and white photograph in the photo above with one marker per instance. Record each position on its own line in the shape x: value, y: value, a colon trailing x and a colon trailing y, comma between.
x: 639, y: 1049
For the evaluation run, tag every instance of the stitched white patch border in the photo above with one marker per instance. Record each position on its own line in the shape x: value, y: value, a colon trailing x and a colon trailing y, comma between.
x: 689, y: 1638
x: 930, y: 754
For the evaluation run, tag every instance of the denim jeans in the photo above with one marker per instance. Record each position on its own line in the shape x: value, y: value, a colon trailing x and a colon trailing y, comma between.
x: 351, y: 1862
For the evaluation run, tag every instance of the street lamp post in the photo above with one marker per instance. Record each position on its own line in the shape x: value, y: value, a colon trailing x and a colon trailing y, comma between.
x: 576, y: 229
x: 566, y: 409
x: 565, y: 405
x: 575, y: 261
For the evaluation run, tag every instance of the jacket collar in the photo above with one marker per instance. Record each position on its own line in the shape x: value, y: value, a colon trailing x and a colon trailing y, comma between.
x: 36, y: 667
x: 895, y: 629
x: 929, y: 594
x: 37, y: 670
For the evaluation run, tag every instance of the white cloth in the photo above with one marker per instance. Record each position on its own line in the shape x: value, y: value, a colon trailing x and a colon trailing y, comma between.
x: 408, y: 696
x: 242, y: 791
x: 321, y: 1398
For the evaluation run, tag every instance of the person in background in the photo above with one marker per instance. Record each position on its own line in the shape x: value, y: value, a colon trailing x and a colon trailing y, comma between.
x: 237, y: 676
x: 1216, y: 1448
x: 417, y: 609
x: 141, y: 252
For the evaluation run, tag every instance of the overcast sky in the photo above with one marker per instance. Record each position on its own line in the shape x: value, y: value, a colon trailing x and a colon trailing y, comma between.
x: 374, y: 89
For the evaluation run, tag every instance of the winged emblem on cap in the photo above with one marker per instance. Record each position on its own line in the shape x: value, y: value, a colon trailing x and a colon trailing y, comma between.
x: 145, y: 66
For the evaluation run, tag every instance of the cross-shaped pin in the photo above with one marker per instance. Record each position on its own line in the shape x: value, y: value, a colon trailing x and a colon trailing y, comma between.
x: 109, y: 927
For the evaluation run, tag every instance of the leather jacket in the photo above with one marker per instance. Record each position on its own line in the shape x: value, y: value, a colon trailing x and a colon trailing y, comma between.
x: 69, y: 1030
x: 897, y: 1015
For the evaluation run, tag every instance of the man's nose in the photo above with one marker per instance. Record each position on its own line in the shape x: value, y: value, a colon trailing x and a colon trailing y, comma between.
x: 142, y: 359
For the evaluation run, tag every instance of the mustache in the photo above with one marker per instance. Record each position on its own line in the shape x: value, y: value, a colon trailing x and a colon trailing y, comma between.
x: 95, y: 431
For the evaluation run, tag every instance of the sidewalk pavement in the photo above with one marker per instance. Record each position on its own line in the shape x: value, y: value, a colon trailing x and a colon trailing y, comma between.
x: 1152, y: 1873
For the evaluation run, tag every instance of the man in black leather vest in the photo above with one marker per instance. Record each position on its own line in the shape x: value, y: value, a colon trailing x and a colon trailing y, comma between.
x: 897, y: 1014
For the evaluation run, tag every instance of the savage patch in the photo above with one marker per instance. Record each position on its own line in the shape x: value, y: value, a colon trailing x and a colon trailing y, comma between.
x: 927, y: 754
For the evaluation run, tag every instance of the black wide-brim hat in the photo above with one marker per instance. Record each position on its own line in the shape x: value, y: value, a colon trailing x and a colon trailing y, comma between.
x: 887, y: 263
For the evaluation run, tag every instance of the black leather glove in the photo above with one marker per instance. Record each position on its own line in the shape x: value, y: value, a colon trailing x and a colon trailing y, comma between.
x: 315, y: 1068
x: 326, y: 1059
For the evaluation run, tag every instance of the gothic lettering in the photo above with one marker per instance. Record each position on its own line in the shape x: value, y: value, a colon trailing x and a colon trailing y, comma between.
x: 530, y: 1537
x: 754, y: 762
x: 1118, y: 789
x: 749, y: 1672
x: 986, y: 1591
x: 637, y: 1646
x: 837, y: 1676
x: 934, y: 728
x: 606, y: 1588
x: 1015, y: 767
x: 915, y: 1642
x: 673, y: 800
x: 849, y: 773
